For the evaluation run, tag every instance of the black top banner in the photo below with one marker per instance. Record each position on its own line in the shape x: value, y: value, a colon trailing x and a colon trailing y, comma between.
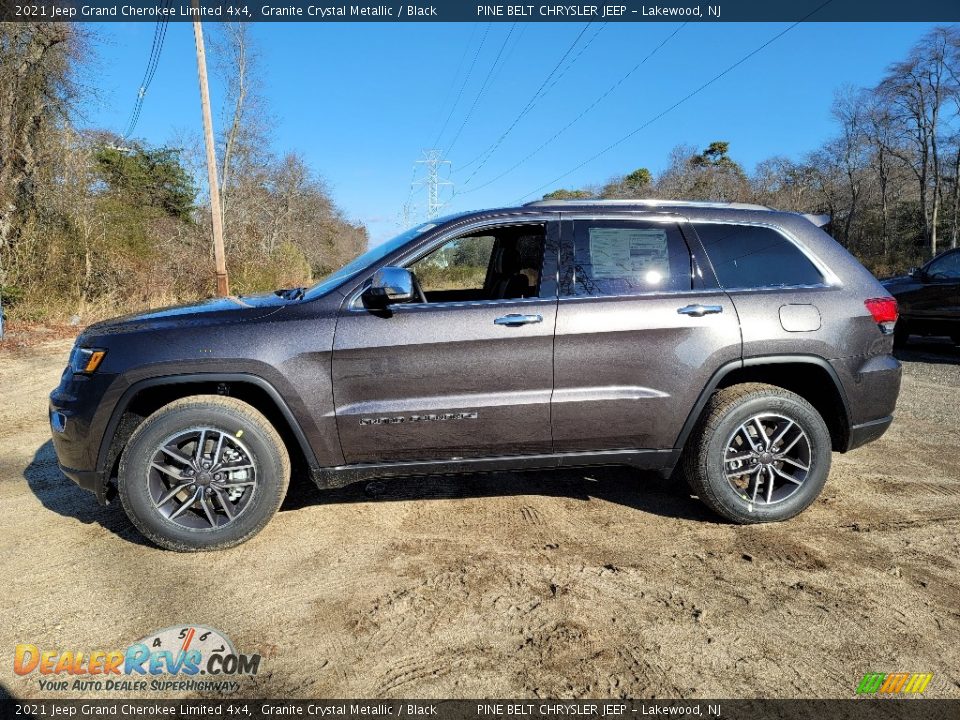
x: 478, y: 11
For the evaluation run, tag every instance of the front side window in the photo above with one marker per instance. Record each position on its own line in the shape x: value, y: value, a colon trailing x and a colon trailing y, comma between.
x: 619, y: 257
x: 460, y: 264
x: 371, y: 257
x: 945, y: 268
x: 752, y: 256
x: 500, y: 263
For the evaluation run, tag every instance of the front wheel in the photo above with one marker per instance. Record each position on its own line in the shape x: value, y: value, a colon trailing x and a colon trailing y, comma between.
x: 759, y: 454
x: 203, y: 473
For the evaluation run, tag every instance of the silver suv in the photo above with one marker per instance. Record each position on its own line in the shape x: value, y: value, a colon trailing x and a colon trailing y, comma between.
x: 733, y: 345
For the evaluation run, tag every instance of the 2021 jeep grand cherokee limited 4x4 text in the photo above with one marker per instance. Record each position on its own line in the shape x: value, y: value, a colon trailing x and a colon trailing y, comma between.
x: 734, y: 344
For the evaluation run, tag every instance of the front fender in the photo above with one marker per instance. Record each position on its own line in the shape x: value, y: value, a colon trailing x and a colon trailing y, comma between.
x: 281, y: 392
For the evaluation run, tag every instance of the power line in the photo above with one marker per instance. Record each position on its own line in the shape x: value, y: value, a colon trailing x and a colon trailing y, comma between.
x: 680, y: 102
x: 573, y: 61
x: 488, y: 152
x: 136, y: 106
x: 483, y: 88
x: 575, y: 120
x: 456, y: 75
x: 153, y: 61
x: 533, y: 100
x: 518, y: 36
x: 466, y: 79
x: 159, y: 34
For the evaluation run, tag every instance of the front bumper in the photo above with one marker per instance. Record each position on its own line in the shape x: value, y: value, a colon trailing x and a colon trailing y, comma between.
x: 91, y: 480
x: 75, y: 431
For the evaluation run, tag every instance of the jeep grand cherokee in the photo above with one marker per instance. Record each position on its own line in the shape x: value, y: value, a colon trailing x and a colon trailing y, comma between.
x: 730, y: 345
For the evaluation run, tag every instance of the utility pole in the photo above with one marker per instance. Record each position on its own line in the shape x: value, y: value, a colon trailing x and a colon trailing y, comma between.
x: 223, y: 282
x: 433, y: 160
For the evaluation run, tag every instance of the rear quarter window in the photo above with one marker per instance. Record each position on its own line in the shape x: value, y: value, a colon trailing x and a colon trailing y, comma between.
x: 752, y: 256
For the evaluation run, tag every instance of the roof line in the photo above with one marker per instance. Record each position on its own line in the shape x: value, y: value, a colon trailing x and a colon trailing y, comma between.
x: 649, y: 202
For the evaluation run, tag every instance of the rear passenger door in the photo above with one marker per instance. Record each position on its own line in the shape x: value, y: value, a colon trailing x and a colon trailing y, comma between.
x: 640, y: 329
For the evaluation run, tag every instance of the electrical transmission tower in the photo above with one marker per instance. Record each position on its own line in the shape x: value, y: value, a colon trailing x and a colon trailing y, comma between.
x: 433, y: 162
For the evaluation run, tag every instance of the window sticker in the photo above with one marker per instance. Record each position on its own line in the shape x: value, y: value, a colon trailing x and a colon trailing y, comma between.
x: 629, y: 253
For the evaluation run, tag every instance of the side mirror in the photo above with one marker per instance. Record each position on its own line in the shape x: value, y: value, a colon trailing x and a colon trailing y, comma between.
x: 389, y: 285
x: 916, y: 273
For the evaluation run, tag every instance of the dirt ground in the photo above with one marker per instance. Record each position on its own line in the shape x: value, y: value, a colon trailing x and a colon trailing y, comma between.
x: 603, y: 583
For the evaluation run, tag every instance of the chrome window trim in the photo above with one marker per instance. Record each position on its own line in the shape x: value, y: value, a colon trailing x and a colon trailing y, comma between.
x: 775, y: 288
x: 829, y: 277
x: 701, y: 291
x: 451, y: 234
x: 470, y: 303
x: 653, y: 294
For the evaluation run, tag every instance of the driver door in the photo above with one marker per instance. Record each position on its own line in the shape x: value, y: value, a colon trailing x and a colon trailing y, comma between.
x: 469, y: 372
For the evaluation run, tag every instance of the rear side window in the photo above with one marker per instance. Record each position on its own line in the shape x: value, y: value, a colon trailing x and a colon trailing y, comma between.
x: 750, y: 256
x: 617, y: 257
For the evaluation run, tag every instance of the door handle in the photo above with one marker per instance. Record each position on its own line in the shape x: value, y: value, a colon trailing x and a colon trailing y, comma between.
x: 514, y: 320
x: 700, y: 310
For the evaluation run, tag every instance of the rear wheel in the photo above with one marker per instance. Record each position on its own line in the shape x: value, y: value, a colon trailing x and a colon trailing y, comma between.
x: 759, y: 454
x: 203, y: 473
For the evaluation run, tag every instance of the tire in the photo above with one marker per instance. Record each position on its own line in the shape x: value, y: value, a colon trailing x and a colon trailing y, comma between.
x: 901, y: 334
x: 718, y: 441
x: 238, y: 494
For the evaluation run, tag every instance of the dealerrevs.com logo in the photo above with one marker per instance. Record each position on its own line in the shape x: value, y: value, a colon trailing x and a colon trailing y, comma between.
x: 184, y: 658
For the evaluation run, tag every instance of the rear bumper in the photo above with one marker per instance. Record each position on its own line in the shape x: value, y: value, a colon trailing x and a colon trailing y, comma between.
x: 871, y: 386
x: 868, y: 432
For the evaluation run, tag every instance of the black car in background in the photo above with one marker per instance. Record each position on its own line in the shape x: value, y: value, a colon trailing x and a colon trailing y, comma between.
x: 929, y: 298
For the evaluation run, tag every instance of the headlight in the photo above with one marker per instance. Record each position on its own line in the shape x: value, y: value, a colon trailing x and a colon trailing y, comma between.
x: 86, y: 360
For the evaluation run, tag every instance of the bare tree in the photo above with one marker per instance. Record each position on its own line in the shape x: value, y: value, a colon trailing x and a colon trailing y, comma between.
x: 851, y: 150
x: 36, y: 92
x: 916, y: 91
x: 236, y: 60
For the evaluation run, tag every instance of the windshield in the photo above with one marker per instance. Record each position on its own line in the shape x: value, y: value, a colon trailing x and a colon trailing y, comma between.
x: 370, y: 257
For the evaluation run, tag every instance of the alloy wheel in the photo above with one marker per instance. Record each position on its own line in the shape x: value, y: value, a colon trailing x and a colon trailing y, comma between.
x: 767, y: 458
x: 202, y: 478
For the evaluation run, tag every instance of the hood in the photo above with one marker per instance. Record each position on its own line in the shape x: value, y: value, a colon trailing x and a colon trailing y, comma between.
x: 214, y: 311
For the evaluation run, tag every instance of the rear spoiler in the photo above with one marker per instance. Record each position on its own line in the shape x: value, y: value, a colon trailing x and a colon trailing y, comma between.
x: 818, y: 220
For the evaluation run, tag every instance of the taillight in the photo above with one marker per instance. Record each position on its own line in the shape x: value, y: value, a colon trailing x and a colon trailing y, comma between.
x: 884, y: 311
